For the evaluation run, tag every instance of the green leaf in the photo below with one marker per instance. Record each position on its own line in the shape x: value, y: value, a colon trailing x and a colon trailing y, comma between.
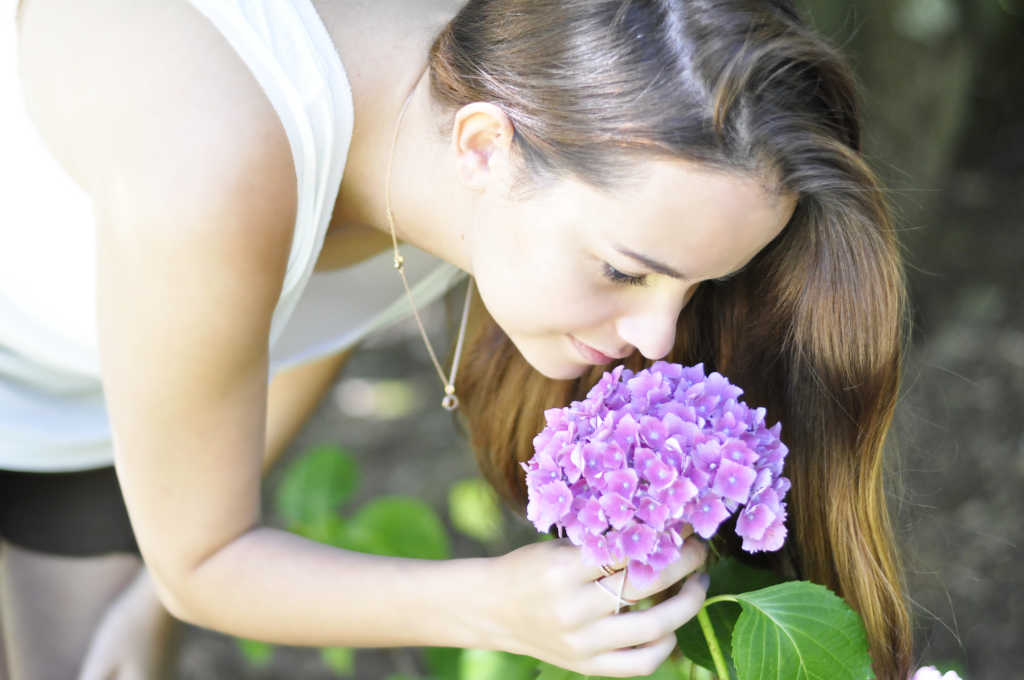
x: 474, y: 510
x: 482, y: 664
x: 330, y: 530
x: 443, y: 662
x: 549, y: 672
x: 341, y: 660
x: 399, y: 527
x: 955, y: 665
x: 316, y: 484
x: 728, y: 577
x: 254, y: 652
x: 799, y: 631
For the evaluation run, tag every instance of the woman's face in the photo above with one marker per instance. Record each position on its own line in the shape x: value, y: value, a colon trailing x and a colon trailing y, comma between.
x: 577, y: 276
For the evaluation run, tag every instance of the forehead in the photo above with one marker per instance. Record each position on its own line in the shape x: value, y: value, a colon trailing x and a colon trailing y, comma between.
x: 703, y: 222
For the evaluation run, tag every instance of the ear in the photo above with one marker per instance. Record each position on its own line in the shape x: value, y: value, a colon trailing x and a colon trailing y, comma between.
x: 482, y: 142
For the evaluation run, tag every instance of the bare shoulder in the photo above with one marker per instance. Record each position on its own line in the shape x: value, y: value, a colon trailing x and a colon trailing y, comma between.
x: 147, y: 95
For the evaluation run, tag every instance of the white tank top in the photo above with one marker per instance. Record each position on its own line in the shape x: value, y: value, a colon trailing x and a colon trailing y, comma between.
x: 52, y: 411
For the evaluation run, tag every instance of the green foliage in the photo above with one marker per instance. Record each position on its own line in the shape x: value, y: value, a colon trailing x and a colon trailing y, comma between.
x: 398, y: 527
x: 341, y: 660
x: 670, y: 670
x: 443, y: 662
x: 955, y: 665
x: 549, y: 672
x: 254, y: 652
x: 315, y: 486
x: 474, y: 510
x: 481, y: 664
x: 728, y: 577
x: 799, y: 630
x: 312, y: 491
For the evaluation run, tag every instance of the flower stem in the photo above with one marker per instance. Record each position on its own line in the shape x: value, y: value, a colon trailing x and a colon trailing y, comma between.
x: 716, y: 650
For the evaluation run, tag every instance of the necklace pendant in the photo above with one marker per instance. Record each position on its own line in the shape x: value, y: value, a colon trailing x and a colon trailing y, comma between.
x: 450, y: 402
x: 399, y: 261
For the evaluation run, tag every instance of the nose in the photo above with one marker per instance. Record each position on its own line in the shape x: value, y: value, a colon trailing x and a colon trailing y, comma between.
x: 652, y: 331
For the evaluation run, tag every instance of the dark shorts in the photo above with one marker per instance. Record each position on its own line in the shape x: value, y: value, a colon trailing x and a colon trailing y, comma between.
x: 77, y: 514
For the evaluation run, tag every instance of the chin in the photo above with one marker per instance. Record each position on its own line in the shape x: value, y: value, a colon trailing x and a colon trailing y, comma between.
x: 549, y: 363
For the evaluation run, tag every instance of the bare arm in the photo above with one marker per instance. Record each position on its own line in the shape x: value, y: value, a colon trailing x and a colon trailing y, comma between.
x: 293, y: 395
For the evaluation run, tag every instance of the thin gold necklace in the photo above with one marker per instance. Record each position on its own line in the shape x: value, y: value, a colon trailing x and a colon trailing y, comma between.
x: 450, y: 401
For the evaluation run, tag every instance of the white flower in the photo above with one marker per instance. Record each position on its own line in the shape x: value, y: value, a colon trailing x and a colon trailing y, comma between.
x: 932, y: 673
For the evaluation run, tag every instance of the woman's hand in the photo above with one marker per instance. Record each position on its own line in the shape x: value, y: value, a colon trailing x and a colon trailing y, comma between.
x: 548, y: 604
x: 135, y: 639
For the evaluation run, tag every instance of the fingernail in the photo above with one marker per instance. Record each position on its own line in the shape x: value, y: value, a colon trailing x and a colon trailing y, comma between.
x: 704, y: 542
x: 705, y: 580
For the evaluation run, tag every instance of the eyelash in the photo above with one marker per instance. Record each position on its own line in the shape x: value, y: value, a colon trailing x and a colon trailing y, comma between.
x: 615, y: 276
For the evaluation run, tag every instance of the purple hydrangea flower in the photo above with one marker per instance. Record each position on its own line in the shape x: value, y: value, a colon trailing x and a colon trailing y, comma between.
x: 621, y: 472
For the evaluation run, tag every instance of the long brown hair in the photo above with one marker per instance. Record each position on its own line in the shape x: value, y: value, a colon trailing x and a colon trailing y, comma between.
x: 813, y: 328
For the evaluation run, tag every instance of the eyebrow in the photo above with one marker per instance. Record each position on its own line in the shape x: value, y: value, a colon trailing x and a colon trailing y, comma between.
x: 653, y: 265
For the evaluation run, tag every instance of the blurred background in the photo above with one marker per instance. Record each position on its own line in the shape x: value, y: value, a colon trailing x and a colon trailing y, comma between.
x: 943, y: 101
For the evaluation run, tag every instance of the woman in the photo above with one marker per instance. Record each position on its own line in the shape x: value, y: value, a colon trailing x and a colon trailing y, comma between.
x: 625, y: 180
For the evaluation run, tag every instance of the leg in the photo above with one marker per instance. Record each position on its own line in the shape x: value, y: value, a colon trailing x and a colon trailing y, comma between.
x: 51, y: 605
x: 3, y: 655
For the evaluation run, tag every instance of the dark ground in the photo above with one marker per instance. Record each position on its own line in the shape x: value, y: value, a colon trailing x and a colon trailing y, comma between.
x: 960, y: 429
x: 963, y: 416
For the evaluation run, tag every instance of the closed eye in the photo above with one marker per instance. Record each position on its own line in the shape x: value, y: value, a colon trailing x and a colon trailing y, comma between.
x: 615, y: 276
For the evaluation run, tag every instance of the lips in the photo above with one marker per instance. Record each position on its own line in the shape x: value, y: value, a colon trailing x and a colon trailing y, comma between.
x: 589, y: 354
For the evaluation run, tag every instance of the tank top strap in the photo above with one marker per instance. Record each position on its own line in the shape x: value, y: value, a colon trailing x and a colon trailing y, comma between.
x: 286, y: 46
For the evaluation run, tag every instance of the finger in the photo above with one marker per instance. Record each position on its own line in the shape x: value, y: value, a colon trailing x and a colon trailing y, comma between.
x: 630, y: 663
x: 593, y: 572
x: 593, y: 603
x: 692, y: 554
x: 639, y: 628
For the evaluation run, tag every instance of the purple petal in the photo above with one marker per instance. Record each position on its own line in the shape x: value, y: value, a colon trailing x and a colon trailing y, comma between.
x: 642, y: 458
x: 668, y: 370
x: 595, y: 550
x: 622, y: 482
x: 708, y: 455
x: 664, y: 554
x: 626, y: 432
x: 773, y: 538
x: 677, y: 494
x: 653, y: 513
x: 653, y: 432
x: 733, y: 481
x: 753, y: 521
x: 544, y: 470
x: 661, y: 475
x: 553, y: 504
x: 617, y: 509
x: 699, y: 478
x: 592, y: 516
x: 781, y: 487
x: 738, y: 452
x: 614, y: 457
x: 638, y: 541
x: 614, y: 549
x: 592, y: 461
x: 641, y: 576
x: 706, y: 514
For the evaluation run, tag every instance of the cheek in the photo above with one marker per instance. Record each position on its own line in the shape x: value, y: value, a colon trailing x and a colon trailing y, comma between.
x: 531, y: 287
